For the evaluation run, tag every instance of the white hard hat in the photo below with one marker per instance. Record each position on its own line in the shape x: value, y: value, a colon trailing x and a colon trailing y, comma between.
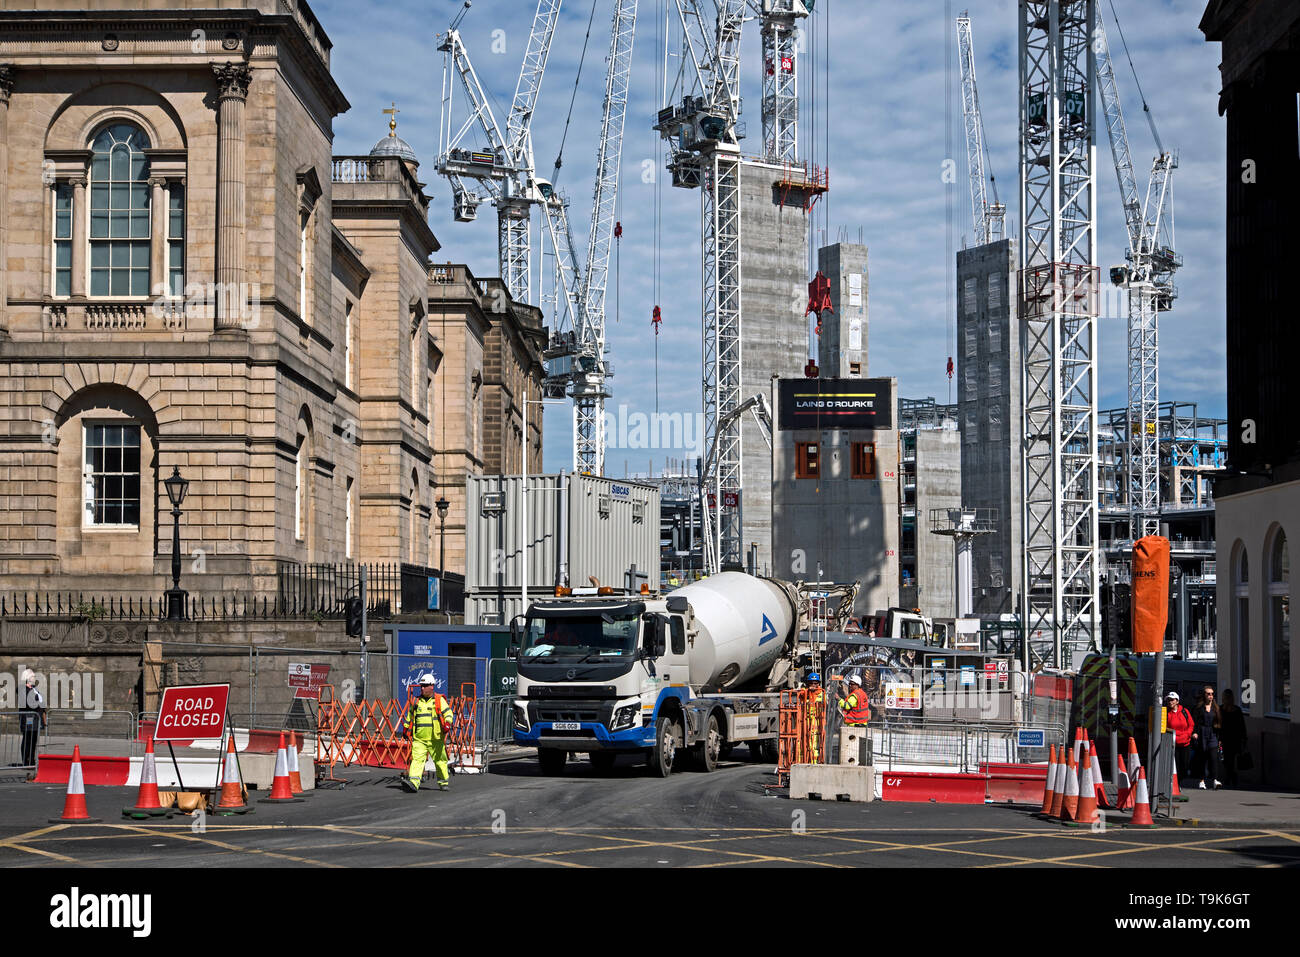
x: 855, y: 678
x: 427, y: 678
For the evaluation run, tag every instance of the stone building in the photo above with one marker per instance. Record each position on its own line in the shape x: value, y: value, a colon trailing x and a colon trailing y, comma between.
x: 189, y: 279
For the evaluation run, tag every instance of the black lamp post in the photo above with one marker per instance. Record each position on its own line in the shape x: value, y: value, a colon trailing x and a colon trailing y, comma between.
x: 176, y: 489
x: 442, y: 505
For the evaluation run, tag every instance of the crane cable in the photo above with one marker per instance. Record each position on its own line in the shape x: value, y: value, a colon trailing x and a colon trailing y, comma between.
x: 1151, y: 121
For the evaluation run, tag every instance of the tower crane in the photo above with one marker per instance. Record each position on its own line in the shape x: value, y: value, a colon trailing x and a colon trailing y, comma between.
x: 989, y: 218
x: 1058, y: 250
x: 1148, y: 277
x: 777, y: 19
x: 504, y: 170
x: 701, y: 132
x: 576, y: 355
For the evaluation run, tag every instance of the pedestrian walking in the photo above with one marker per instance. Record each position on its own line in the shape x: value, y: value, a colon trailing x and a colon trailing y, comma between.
x: 428, y: 724
x: 1232, y: 736
x: 1179, y: 720
x: 1205, y: 738
x: 31, y: 718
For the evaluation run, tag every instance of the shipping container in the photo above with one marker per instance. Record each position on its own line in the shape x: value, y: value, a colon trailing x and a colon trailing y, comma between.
x: 597, y: 527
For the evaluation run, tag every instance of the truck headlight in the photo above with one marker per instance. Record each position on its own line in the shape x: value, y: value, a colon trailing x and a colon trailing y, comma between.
x: 625, y: 717
x: 521, y: 717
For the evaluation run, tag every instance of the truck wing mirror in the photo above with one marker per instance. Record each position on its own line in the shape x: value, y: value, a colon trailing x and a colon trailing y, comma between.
x: 517, y: 626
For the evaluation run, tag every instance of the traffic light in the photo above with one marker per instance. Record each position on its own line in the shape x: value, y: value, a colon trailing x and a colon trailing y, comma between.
x: 352, y: 614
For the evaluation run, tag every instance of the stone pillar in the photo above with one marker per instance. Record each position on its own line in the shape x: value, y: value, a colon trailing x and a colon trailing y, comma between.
x: 79, y: 240
x: 158, y: 233
x: 6, y: 89
x: 233, y: 81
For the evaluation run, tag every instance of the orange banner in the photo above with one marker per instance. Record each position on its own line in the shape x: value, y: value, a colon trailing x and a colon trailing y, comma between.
x: 1150, y: 593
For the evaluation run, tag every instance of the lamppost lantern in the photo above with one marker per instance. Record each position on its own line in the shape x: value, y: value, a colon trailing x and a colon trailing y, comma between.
x: 176, y: 486
x: 442, y: 505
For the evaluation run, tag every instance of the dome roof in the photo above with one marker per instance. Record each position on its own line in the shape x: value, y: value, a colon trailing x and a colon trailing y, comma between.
x: 394, y: 145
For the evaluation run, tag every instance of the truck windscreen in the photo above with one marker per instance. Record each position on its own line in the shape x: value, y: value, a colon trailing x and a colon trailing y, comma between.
x: 597, y: 638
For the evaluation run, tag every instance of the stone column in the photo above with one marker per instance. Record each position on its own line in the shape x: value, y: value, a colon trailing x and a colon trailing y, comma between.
x: 6, y: 89
x: 158, y: 236
x: 233, y: 81
x: 79, y: 239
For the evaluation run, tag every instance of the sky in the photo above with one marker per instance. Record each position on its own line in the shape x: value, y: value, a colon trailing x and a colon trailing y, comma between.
x: 883, y: 114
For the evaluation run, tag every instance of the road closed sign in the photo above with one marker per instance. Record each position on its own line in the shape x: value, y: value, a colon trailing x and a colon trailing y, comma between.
x: 192, y: 712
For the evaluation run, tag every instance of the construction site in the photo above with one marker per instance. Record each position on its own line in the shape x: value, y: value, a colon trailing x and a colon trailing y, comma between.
x: 978, y: 618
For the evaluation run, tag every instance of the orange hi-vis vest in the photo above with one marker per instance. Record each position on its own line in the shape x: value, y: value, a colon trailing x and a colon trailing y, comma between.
x: 860, y: 712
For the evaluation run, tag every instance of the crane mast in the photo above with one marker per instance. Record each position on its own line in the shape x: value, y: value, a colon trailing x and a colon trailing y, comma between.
x: 989, y: 219
x: 1058, y: 312
x: 1148, y: 277
x: 780, y: 78
x: 702, y: 138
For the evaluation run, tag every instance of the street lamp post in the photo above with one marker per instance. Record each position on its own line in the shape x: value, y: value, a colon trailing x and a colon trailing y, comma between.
x: 442, y: 505
x: 176, y: 489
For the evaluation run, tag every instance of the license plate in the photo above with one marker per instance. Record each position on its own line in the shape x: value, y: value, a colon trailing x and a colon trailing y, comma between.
x: 566, y: 726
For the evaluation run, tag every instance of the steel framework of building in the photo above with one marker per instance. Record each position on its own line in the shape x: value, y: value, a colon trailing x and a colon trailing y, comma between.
x: 989, y: 219
x: 1059, y: 324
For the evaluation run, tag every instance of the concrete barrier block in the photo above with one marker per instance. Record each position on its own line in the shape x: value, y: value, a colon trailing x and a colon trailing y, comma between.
x: 851, y: 746
x: 828, y: 782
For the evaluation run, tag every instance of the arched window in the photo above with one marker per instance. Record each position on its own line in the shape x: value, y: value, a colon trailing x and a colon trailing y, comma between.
x: 119, y: 212
x: 1279, y: 600
x: 415, y: 504
x: 1241, y: 618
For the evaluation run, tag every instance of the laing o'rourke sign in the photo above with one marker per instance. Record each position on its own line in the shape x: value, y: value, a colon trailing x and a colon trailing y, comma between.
x: 835, y: 404
x: 192, y: 711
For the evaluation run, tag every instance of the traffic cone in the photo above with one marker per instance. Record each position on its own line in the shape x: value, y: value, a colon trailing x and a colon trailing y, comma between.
x: 74, y: 805
x: 1134, y: 762
x: 146, y: 801
x: 232, y: 789
x: 1124, y: 801
x: 281, y: 790
x: 1048, y: 793
x: 295, y: 776
x: 1098, y: 783
x: 1142, y: 806
x: 1078, y: 743
x: 1070, y: 804
x: 1058, y: 787
x: 1176, y: 793
x: 1085, y: 814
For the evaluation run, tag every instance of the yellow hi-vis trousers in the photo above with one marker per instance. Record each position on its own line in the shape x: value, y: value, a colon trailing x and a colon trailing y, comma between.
x: 421, y: 749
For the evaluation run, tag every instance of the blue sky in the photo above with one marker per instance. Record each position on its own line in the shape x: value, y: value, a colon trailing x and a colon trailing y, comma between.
x: 886, y: 75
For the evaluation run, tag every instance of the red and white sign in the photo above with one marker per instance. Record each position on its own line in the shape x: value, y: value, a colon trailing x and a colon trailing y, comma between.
x: 307, y: 680
x: 190, y: 712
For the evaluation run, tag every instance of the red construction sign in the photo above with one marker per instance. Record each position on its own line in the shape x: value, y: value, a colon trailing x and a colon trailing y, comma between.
x: 190, y: 712
x: 307, y: 680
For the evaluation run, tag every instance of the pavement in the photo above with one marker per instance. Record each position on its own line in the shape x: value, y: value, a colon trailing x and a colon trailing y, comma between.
x: 514, y: 816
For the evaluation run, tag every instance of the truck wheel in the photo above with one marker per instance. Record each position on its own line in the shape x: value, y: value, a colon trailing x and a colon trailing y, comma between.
x: 667, y: 735
x: 603, y: 761
x: 755, y: 750
x: 706, y: 753
x: 725, y: 753
x: 552, y: 760
x: 771, y: 753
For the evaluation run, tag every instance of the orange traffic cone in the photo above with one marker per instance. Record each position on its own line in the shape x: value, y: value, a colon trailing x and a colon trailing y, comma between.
x: 295, y: 776
x: 1134, y: 762
x: 1142, y: 807
x: 232, y: 789
x: 1070, y: 804
x: 1086, y: 812
x: 1176, y: 792
x: 146, y: 802
x: 1098, y: 783
x: 1078, y: 743
x: 1124, y: 800
x: 74, y: 805
x: 281, y: 790
x: 1058, y: 785
x: 1049, y: 782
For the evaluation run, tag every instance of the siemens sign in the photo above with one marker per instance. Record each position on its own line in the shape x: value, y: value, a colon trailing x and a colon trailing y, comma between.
x: 836, y: 404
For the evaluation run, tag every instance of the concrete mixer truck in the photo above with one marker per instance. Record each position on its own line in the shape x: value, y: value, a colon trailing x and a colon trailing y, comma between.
x: 698, y: 670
